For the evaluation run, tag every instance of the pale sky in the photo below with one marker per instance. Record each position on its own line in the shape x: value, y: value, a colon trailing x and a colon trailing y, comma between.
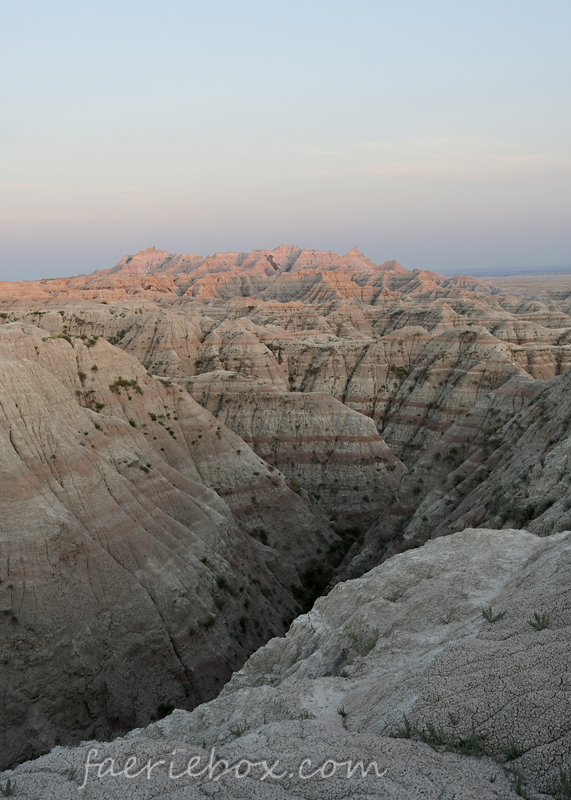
x: 436, y: 133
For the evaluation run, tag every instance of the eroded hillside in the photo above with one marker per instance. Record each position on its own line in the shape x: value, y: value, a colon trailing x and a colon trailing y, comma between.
x: 134, y: 575
x: 448, y: 666
x: 192, y: 445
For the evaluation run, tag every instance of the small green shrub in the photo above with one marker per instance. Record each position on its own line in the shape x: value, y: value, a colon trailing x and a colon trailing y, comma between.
x: 122, y: 383
x: 489, y: 616
x: 511, y: 750
x: 406, y: 731
x: 470, y: 745
x: 563, y: 788
x: 539, y: 622
x: 8, y: 789
x: 447, y: 618
x: 238, y: 729
x: 432, y: 736
x: 519, y: 784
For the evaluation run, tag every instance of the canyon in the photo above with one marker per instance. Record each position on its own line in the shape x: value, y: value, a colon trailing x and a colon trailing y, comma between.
x: 194, y: 449
x: 399, y: 668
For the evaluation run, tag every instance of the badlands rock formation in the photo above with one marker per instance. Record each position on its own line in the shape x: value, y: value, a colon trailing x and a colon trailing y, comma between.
x: 311, y: 437
x: 191, y: 445
x: 412, y: 350
x: 399, y: 667
x: 132, y: 577
x: 505, y: 463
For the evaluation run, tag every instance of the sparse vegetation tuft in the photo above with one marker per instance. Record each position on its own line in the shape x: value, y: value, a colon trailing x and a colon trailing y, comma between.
x: 468, y: 745
x: 519, y: 784
x: 489, y: 615
x: 563, y: 788
x: 511, y: 750
x: 122, y: 383
x: 238, y: 729
x: 539, y: 622
x: 405, y: 731
x: 8, y: 789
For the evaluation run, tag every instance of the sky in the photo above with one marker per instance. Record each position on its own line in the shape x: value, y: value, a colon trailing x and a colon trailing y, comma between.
x: 435, y: 133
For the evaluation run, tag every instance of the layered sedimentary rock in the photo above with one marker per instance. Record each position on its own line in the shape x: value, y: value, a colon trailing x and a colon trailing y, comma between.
x: 129, y: 580
x: 400, y: 667
x: 180, y: 433
x: 318, y: 442
x: 414, y: 350
x: 504, y: 463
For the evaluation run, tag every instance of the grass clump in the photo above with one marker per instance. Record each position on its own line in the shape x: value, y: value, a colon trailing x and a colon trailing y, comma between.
x: 295, y: 486
x: 469, y: 745
x: 238, y: 729
x: 489, y: 615
x: 563, y: 789
x: 539, y: 622
x: 432, y: 736
x: 406, y: 730
x: 511, y: 750
x: 519, y: 784
x: 8, y: 789
x: 67, y: 337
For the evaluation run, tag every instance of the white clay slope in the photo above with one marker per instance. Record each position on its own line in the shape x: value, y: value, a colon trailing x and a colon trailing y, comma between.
x: 407, y: 638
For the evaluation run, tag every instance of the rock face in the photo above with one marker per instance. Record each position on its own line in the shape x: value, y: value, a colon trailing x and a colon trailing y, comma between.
x: 412, y: 350
x: 335, y: 453
x: 504, y: 463
x: 129, y: 580
x: 404, y: 652
x: 191, y: 445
